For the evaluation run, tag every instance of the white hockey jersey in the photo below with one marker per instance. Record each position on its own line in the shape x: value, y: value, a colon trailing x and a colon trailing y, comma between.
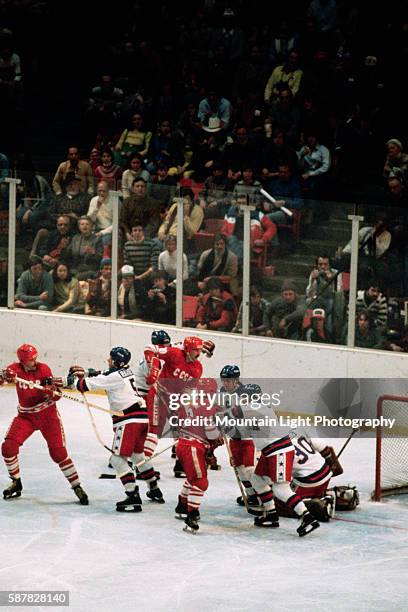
x: 121, y: 387
x: 309, y: 467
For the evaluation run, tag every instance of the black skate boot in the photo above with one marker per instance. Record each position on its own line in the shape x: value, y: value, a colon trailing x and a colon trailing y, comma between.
x: 178, y: 470
x: 268, y: 519
x: 307, y: 525
x: 154, y: 493
x: 81, y: 495
x: 253, y: 503
x: 181, y: 509
x: 14, y: 489
x: 191, y: 523
x: 132, y: 503
x: 212, y: 463
x: 173, y: 452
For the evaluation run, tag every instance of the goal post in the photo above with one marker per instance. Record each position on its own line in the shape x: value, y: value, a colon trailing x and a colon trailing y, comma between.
x: 391, y: 457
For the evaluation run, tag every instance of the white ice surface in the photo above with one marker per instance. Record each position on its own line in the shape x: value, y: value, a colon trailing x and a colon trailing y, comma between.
x: 117, y: 562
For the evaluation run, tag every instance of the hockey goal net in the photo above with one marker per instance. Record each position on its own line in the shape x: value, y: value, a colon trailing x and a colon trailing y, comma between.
x: 391, y: 469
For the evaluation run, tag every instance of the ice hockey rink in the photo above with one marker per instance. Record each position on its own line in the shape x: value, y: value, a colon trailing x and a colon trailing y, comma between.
x: 112, y: 561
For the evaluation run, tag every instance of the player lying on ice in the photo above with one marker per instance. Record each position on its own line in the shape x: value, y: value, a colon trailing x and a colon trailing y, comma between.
x: 37, y: 411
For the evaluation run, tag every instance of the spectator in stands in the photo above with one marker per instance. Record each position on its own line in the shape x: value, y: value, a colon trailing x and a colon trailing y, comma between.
x: 54, y: 242
x: 104, y: 107
x: 35, y: 288
x: 214, y: 107
x: 141, y: 253
x: 285, y: 115
x: 215, y: 199
x: 101, y: 212
x: 135, y: 139
x: 10, y: 76
x: 193, y: 216
x: 288, y: 74
x: 314, y: 161
x: 284, y: 316
x: 160, y: 300
x: 321, y: 287
x: 108, y: 171
x: 317, y: 332
x: 218, y: 261
x: 85, y: 250
x: 262, y: 229
x: 217, y: 309
x: 368, y: 334
x: 285, y: 188
x: 241, y: 152
x: 324, y: 14
x: 66, y: 289
x: 248, y: 185
x: 257, y: 309
x: 72, y: 202
x: 207, y: 153
x: 74, y: 166
x: 94, y: 159
x: 32, y: 215
x: 396, y: 162
x: 282, y: 42
x: 163, y: 185
x: 166, y: 146
x: 128, y: 297
x: 397, y: 192
x: 189, y: 126
x: 167, y: 261
x: 374, y: 302
x: 275, y: 151
x: 98, y: 300
x: 142, y: 209
x: 398, y: 343
x: 230, y: 35
x: 136, y: 170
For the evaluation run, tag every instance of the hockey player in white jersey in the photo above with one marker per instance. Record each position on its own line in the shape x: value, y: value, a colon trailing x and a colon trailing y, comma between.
x: 273, y: 471
x: 123, y: 386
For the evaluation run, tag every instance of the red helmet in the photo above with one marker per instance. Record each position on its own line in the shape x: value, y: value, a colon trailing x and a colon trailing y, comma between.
x: 209, y: 385
x: 26, y: 352
x: 192, y: 343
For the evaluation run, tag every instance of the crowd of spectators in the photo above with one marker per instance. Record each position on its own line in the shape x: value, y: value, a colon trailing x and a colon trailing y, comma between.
x: 224, y: 105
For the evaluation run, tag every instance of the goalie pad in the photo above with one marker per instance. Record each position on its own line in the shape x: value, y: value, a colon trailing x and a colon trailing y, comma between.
x: 347, y: 497
x: 322, y: 509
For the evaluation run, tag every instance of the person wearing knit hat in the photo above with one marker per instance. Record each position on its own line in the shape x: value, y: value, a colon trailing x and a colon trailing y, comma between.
x: 106, y: 261
x: 396, y: 162
x: 127, y: 270
x: 284, y: 315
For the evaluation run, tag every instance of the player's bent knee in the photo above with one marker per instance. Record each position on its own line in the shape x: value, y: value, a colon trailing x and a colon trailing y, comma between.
x: 9, y: 448
x: 201, y: 483
x: 58, y: 453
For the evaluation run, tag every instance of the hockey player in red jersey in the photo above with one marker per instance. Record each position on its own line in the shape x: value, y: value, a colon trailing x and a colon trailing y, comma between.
x: 196, y: 438
x: 179, y: 365
x: 36, y: 411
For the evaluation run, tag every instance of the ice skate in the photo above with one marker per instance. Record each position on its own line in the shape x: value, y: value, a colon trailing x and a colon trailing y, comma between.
x: 154, y: 493
x: 181, y: 509
x: 81, y: 495
x: 173, y: 452
x: 191, y: 523
x: 14, y: 489
x: 268, y: 519
x: 178, y: 470
x: 132, y: 503
x: 307, y: 525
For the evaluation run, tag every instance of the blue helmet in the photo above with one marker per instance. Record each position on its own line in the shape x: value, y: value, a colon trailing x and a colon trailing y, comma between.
x: 230, y: 371
x: 161, y: 337
x: 120, y: 356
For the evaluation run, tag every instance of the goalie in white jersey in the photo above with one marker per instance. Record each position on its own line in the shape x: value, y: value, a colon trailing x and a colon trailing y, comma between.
x: 124, y: 387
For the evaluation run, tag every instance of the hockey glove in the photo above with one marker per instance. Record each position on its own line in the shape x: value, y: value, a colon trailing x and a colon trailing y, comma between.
x: 8, y: 375
x: 154, y: 371
x: 208, y: 348
x: 52, y: 392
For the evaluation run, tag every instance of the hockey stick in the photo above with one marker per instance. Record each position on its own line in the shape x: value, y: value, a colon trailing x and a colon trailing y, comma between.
x: 241, y: 486
x: 354, y: 431
x: 98, y: 437
x: 32, y: 385
x: 104, y: 476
